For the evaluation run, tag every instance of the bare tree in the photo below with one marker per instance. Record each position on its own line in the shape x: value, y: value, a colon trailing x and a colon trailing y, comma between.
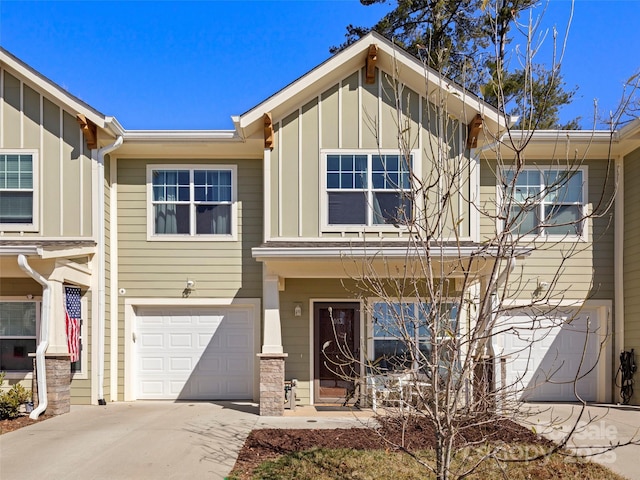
x: 438, y: 307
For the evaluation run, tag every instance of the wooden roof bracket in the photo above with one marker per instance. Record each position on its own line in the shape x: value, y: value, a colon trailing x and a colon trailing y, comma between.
x: 372, y: 57
x: 475, y: 127
x: 89, y: 129
x: 268, y: 131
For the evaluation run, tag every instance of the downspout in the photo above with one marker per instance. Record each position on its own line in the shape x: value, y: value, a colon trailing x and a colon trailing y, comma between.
x: 618, y: 262
x: 102, y: 265
x: 44, y: 336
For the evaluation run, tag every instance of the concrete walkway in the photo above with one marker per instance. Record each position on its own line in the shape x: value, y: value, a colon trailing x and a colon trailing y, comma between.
x: 147, y: 440
x: 599, y: 427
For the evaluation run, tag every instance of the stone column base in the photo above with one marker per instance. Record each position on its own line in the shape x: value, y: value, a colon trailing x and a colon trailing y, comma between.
x: 272, y: 384
x: 58, y: 374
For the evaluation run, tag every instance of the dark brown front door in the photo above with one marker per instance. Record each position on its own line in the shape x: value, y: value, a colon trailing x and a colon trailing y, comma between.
x: 337, y: 352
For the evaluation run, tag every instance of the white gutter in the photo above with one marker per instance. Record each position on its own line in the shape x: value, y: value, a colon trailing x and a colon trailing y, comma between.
x: 102, y: 267
x: 44, y: 336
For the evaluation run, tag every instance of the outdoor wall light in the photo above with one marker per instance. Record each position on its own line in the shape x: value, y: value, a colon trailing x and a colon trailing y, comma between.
x: 297, y: 310
x: 191, y: 285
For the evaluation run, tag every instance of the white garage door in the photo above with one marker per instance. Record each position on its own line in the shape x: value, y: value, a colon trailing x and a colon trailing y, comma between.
x: 551, y: 358
x: 195, y: 353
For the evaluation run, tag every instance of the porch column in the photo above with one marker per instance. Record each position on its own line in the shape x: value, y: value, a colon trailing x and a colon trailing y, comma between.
x: 272, y: 356
x: 57, y: 326
x: 272, y: 334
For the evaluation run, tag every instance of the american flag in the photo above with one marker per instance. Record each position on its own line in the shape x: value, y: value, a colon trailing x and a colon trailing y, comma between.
x: 73, y: 314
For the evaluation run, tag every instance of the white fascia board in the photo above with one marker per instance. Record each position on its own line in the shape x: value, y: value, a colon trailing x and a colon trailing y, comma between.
x: 154, y: 136
x: 323, y: 75
x: 49, y: 88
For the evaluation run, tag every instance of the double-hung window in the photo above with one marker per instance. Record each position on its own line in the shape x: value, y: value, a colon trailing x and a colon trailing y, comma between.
x: 17, y: 190
x: 368, y: 189
x: 197, y: 202
x: 548, y: 202
x: 18, y: 322
x: 404, y: 334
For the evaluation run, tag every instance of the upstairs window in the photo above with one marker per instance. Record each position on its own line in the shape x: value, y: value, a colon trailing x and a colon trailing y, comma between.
x: 17, y: 193
x: 193, y: 202
x: 368, y: 189
x: 545, y: 202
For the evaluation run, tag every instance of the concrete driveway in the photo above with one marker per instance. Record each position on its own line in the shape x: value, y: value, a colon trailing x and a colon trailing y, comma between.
x: 194, y: 440
x: 144, y: 440
x: 598, y: 427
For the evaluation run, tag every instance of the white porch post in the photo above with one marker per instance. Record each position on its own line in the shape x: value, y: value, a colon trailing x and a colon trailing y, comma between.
x: 272, y: 332
x: 272, y: 358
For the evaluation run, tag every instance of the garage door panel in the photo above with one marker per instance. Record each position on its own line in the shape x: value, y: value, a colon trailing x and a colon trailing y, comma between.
x: 152, y: 364
x: 149, y: 340
x: 195, y: 353
x: 561, y: 352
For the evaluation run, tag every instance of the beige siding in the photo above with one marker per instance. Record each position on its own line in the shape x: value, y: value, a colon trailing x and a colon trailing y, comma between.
x: 11, y: 112
x: 353, y: 115
x: 329, y: 116
x: 296, y: 330
x: 310, y: 182
x: 582, y: 271
x: 370, y: 116
x: 350, y: 115
x: 32, y: 121
x: 160, y: 269
x: 274, y: 183
x: 632, y: 256
x: 290, y: 189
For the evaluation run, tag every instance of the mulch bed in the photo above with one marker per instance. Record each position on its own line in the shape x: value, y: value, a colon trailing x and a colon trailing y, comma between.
x: 266, y: 444
x: 10, y: 425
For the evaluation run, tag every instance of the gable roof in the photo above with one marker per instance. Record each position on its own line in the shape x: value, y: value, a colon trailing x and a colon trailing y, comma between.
x: 413, y: 73
x: 49, y: 88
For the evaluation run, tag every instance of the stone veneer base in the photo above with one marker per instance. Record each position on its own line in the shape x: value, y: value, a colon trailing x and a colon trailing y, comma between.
x: 272, y: 384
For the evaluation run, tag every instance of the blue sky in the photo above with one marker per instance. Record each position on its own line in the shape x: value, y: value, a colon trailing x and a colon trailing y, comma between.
x: 191, y: 65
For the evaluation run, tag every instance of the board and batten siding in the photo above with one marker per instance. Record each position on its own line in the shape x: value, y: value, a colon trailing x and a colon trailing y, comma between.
x: 632, y: 256
x: 30, y: 121
x: 584, y: 268
x: 351, y: 116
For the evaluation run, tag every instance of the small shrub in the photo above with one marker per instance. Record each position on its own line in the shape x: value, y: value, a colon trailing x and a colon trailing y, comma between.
x: 11, y: 400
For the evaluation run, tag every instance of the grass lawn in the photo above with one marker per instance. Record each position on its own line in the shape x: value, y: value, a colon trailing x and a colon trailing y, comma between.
x: 325, y: 464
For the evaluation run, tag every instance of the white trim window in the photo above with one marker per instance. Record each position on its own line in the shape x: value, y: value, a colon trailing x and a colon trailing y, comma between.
x: 367, y: 189
x: 404, y: 333
x: 18, y: 330
x: 545, y: 202
x: 18, y: 190
x: 195, y: 202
